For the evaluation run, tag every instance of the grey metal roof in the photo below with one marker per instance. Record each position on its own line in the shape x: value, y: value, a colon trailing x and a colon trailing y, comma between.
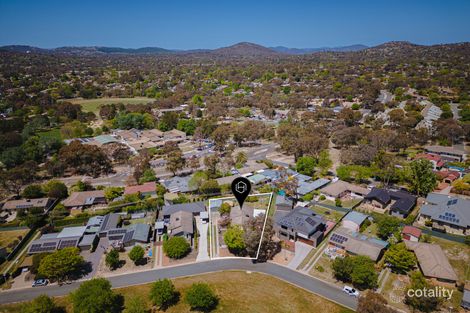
x: 87, y: 240
x: 140, y: 232
x: 110, y: 221
x: 72, y: 232
x: 178, y: 184
x: 306, y: 187
x: 193, y: 207
x: 447, y: 209
x: 355, y: 217
x: 302, y: 220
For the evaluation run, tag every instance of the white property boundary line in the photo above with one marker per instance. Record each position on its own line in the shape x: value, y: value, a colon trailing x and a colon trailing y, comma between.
x: 262, y: 232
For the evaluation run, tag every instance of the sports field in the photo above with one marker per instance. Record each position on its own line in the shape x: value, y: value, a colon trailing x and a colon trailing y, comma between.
x: 93, y: 105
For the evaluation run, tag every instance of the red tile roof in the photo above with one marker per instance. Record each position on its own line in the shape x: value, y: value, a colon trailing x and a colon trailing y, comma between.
x: 431, y: 157
x: 144, y: 188
x: 413, y: 231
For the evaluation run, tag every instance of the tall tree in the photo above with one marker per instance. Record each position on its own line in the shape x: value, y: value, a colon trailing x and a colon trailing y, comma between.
x: 422, y: 178
x: 96, y: 296
x: 175, y: 161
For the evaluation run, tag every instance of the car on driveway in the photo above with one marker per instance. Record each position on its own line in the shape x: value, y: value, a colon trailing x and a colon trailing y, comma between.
x: 40, y: 282
x: 351, y: 291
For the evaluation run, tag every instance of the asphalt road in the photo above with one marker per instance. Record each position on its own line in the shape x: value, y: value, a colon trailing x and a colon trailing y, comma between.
x: 309, y: 283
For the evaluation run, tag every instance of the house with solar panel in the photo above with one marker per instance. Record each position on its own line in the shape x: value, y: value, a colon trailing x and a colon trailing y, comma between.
x: 355, y: 243
x: 27, y: 204
x: 447, y: 213
x: 68, y: 237
x: 81, y: 200
x: 300, y: 224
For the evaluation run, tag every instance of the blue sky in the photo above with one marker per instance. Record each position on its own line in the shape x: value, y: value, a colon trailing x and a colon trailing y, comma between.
x: 178, y: 24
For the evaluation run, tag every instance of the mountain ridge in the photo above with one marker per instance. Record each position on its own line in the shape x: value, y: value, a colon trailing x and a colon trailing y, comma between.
x: 238, y: 49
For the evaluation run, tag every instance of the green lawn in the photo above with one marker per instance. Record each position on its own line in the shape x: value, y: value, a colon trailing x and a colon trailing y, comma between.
x: 329, y: 214
x: 53, y: 133
x: 93, y: 105
x: 237, y: 291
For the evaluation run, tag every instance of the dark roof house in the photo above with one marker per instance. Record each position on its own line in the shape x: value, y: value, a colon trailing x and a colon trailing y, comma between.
x: 192, y: 207
x: 301, y: 224
x: 401, y: 202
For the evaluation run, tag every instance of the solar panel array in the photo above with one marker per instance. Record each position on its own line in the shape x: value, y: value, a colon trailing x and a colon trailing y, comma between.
x: 68, y: 243
x: 452, y: 202
x: 338, y: 238
x: 117, y: 231
x: 449, y: 217
x: 36, y: 248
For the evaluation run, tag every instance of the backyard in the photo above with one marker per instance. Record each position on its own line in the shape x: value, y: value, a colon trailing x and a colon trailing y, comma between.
x: 10, y: 238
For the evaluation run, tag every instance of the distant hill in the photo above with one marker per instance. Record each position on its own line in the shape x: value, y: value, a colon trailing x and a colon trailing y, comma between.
x: 389, y: 50
x: 244, y: 49
x: 287, y: 50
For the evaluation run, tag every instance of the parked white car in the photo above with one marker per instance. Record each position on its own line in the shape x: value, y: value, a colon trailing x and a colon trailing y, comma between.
x: 351, y: 291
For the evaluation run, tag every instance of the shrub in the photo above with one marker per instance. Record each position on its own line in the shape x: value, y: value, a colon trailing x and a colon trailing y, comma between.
x: 112, y: 259
x: 201, y: 297
x: 225, y: 208
x: 176, y: 247
x: 137, y: 254
x: 163, y: 293
x: 322, y: 197
x: 41, y: 304
x: 233, y: 238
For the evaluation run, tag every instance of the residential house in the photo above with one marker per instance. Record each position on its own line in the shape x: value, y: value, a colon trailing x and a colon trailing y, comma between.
x: 227, y: 180
x: 354, y: 220
x: 301, y: 224
x: 430, y: 113
x: 174, y: 135
x: 110, y: 221
x: 306, y: 187
x: 181, y: 224
x: 195, y: 208
x: 179, y: 184
x: 130, y: 235
x: 448, y: 177
x: 452, y: 214
x: 432, y: 261
x: 250, y: 168
x: 68, y: 237
x: 26, y: 204
x: 436, y: 160
x: 447, y: 153
x: 283, y: 203
x: 85, y: 199
x: 398, y: 202
x: 343, y: 190
x: 466, y: 296
x: 146, y: 189
x: 356, y: 243
x: 411, y: 233
x: 258, y: 179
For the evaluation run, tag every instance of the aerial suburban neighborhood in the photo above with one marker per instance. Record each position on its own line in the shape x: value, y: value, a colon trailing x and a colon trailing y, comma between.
x: 246, y: 178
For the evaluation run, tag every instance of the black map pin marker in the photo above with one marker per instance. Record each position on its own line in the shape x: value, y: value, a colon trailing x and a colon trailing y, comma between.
x: 241, y: 188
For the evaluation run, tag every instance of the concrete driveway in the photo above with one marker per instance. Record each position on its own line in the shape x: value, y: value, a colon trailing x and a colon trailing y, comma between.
x: 203, y: 254
x: 301, y: 251
x: 94, y: 258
